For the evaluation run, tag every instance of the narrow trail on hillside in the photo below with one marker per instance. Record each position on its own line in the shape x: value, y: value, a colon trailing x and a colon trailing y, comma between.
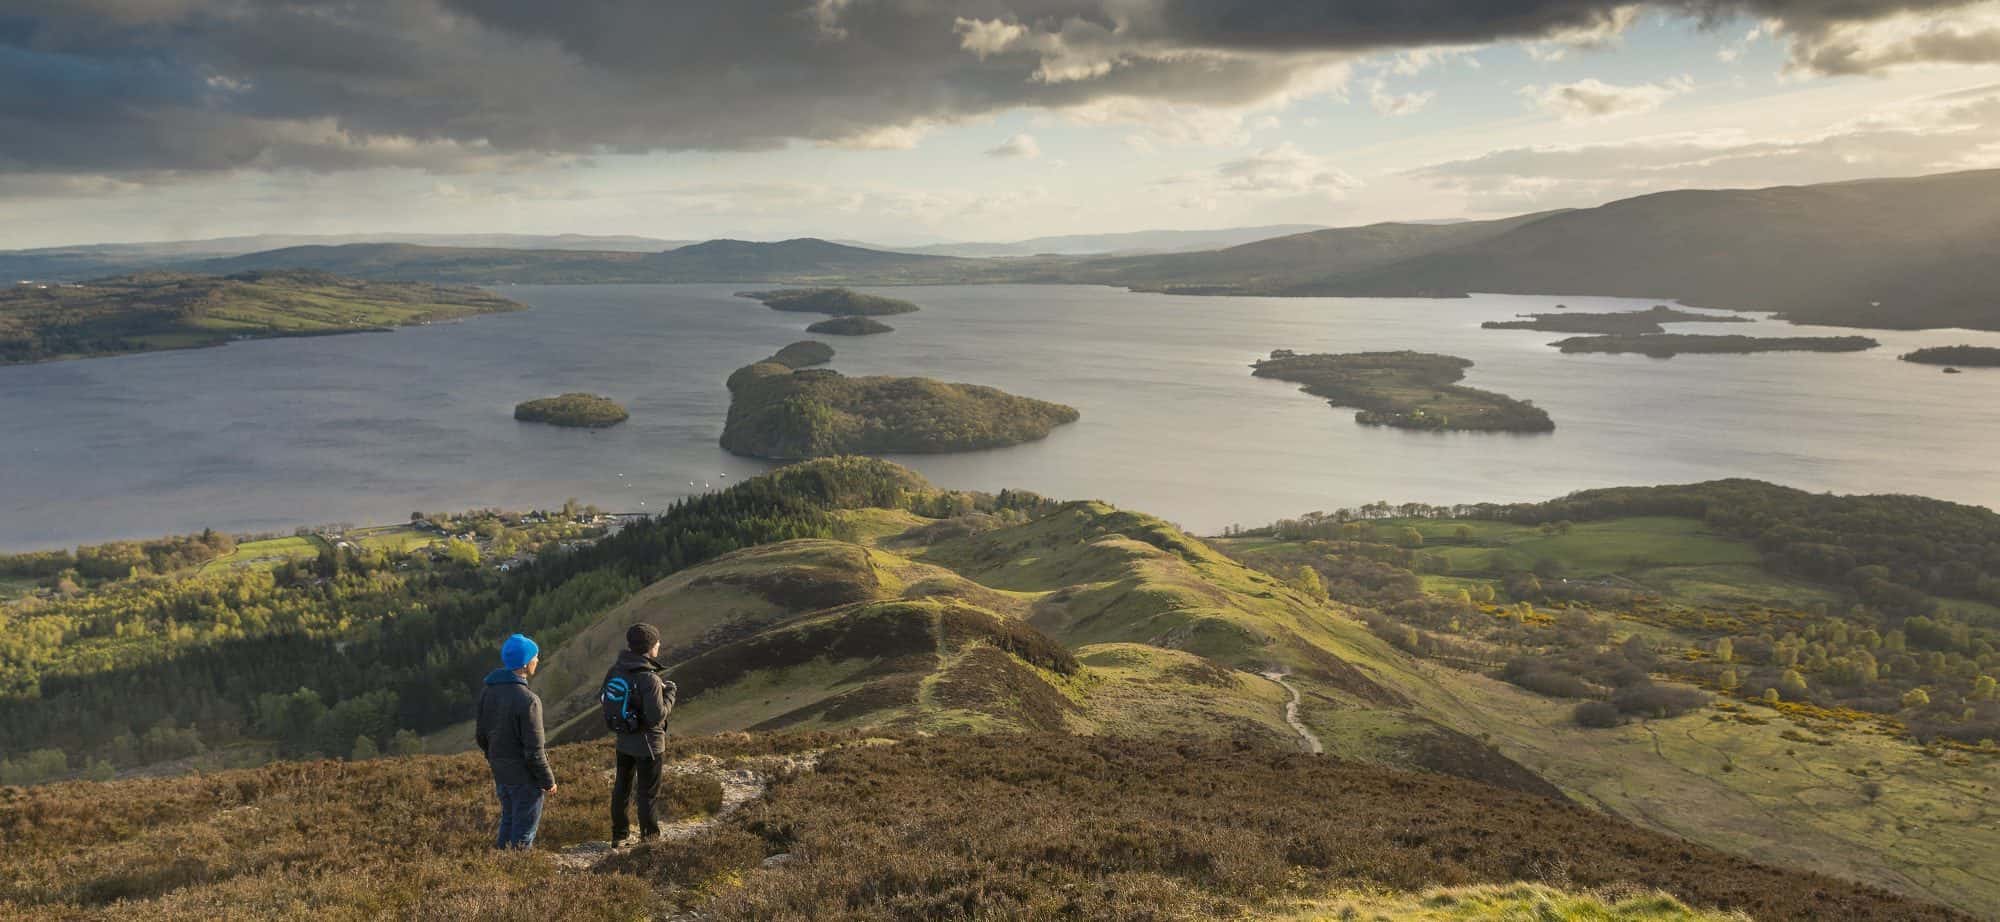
x: 1306, y: 735
x: 739, y: 786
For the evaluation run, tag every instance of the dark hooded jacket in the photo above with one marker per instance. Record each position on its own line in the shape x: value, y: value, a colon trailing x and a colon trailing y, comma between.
x: 510, y: 731
x: 655, y: 697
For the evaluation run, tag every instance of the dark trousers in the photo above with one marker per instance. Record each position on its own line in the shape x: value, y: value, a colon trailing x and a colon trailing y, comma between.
x: 520, y: 815
x: 648, y: 777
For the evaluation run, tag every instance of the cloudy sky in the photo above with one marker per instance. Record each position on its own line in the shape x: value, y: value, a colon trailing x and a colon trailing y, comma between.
x: 906, y: 121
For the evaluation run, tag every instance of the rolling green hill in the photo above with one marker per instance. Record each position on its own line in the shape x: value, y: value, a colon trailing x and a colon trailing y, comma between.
x: 1077, y: 705
x: 146, y: 313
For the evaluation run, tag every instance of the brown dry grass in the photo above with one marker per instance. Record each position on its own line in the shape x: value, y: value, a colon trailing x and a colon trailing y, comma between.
x: 989, y: 827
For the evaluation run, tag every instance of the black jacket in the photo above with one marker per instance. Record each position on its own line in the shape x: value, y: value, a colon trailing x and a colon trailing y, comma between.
x: 510, y: 731
x: 654, y: 696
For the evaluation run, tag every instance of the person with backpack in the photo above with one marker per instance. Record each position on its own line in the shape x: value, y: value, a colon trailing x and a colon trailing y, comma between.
x: 636, y: 698
x: 509, y: 731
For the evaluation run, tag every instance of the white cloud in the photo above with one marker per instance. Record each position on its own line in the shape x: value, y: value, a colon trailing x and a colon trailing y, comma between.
x: 1173, y: 124
x: 1388, y: 103
x: 1606, y: 32
x: 888, y: 137
x: 987, y: 37
x: 1968, y: 35
x: 1593, y: 98
x: 1285, y: 170
x: 1927, y: 135
x: 1023, y: 146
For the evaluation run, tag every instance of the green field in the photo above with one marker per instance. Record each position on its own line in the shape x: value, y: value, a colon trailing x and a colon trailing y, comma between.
x: 1680, y: 559
x: 268, y: 552
x: 397, y: 539
x: 1745, y: 788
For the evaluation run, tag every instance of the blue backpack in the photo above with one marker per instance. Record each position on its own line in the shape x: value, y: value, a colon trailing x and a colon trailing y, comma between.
x: 621, y: 713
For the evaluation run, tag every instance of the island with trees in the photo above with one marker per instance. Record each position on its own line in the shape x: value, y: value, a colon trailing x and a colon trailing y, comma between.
x: 839, y: 302
x: 1405, y: 390
x: 161, y: 310
x: 1629, y: 322
x: 572, y: 411
x: 851, y: 326
x: 781, y: 409
x: 1965, y: 356
x: 1668, y: 345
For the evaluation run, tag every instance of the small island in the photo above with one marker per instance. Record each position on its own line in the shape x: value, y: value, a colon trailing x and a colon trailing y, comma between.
x: 1668, y: 345
x: 1962, y: 356
x: 1405, y: 390
x: 840, y: 302
x: 1628, y: 322
x: 573, y: 411
x: 851, y: 326
x: 780, y: 409
x: 166, y: 310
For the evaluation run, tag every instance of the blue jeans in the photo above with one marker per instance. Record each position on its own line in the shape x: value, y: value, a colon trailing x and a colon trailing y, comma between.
x: 520, y: 815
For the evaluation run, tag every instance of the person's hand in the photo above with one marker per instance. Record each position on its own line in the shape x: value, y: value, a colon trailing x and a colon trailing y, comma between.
x: 551, y: 789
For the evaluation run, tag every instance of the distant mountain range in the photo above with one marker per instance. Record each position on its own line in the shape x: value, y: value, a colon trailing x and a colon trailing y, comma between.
x: 1896, y: 253
x: 1156, y: 241
x: 70, y: 263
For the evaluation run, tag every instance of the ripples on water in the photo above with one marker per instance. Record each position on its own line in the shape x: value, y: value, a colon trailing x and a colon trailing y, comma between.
x: 272, y: 434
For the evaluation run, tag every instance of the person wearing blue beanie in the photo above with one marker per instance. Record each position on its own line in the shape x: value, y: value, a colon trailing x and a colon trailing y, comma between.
x: 509, y: 731
x: 518, y: 652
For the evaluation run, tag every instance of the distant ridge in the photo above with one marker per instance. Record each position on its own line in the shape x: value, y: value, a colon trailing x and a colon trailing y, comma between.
x: 1897, y: 253
x: 1893, y: 253
x: 70, y: 263
x: 1131, y: 243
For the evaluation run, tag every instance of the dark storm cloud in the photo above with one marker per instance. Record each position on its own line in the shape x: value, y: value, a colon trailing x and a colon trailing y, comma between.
x: 159, y: 87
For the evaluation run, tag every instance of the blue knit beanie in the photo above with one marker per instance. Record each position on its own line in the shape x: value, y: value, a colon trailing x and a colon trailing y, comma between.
x: 517, y: 651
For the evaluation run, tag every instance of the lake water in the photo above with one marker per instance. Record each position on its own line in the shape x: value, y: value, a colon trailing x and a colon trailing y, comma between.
x: 272, y: 434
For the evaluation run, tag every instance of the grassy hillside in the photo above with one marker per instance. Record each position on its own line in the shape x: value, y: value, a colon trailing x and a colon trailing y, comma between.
x: 1017, y: 645
x: 144, y: 313
x: 1521, y: 624
x: 991, y: 826
x: 781, y: 412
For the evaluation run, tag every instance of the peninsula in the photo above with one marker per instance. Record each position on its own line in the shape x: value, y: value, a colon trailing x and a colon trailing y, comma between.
x: 1668, y: 345
x: 840, y: 302
x: 156, y: 311
x: 780, y: 409
x: 1405, y: 390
